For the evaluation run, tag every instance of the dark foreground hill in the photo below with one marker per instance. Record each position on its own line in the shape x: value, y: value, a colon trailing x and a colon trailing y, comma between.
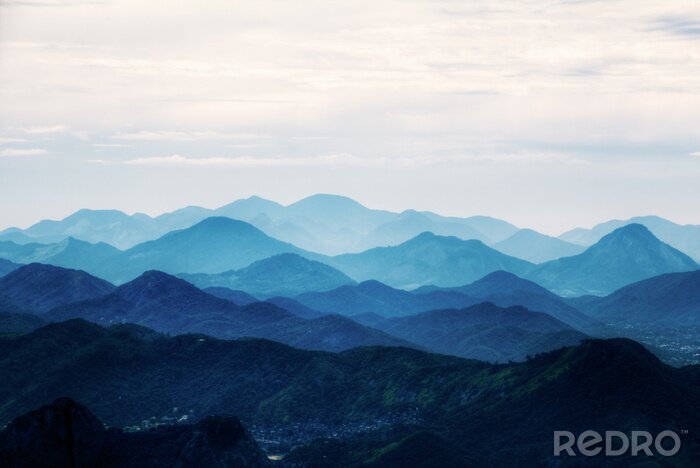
x: 65, y: 434
x: 493, y: 414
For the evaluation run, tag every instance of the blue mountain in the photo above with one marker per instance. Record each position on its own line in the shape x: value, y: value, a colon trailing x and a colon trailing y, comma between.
x: 39, y: 288
x: 535, y: 247
x: 669, y: 300
x: 281, y: 275
x: 627, y: 255
x: 428, y: 260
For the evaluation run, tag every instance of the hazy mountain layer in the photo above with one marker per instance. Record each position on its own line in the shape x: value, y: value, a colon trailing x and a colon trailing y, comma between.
x: 628, y: 254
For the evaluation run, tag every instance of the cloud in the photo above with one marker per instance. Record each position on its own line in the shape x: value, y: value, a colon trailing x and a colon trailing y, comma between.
x: 17, y: 152
x: 165, y: 135
x: 4, y: 140
x: 696, y: 154
x: 678, y: 25
x: 43, y: 130
x: 244, y: 161
x: 344, y: 159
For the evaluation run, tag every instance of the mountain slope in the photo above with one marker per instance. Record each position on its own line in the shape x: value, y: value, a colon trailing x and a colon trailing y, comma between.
x: 672, y: 299
x: 428, y: 259
x: 40, y: 287
x: 535, y: 247
x: 7, y: 266
x: 506, y: 290
x: 280, y: 275
x: 373, y: 297
x: 168, y: 304
x: 68, y: 253
x: 484, y: 331
x: 493, y: 413
x: 685, y: 238
x: 211, y: 246
x: 411, y: 223
x: 628, y: 254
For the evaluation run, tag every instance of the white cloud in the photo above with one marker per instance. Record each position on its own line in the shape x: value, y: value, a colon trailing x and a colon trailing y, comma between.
x: 696, y: 154
x: 344, y: 159
x: 40, y: 130
x: 166, y: 135
x: 5, y: 140
x: 17, y: 152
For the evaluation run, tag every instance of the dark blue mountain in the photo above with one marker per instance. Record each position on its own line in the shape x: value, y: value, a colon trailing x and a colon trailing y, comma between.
x: 281, y: 275
x: 627, y: 255
x: 378, y: 298
x: 505, y: 290
x: 7, y: 266
x: 483, y: 331
x: 428, y: 260
x: 670, y: 300
x: 237, y: 297
x: 39, y: 288
x: 172, y: 305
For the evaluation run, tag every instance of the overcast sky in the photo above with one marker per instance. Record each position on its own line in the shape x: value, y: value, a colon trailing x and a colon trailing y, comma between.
x: 549, y: 114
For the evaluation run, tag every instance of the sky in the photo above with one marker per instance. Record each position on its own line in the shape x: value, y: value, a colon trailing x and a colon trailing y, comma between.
x: 549, y: 114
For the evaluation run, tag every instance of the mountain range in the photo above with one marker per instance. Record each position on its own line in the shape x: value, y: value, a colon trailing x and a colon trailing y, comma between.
x: 685, y: 238
x: 328, y: 224
x: 428, y: 259
x: 672, y: 299
x: 485, y: 332
x: 40, y: 288
x: 169, y: 304
x: 489, y: 415
x: 535, y: 247
x: 627, y: 255
x: 280, y: 275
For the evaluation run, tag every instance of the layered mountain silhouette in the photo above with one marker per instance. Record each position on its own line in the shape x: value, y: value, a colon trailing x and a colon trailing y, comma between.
x: 328, y: 224
x: 68, y: 253
x: 373, y: 297
x: 672, y: 299
x: 484, y: 331
x: 626, y: 255
x: 685, y: 238
x: 428, y: 260
x: 214, y: 245
x: 535, y: 247
x: 38, y: 287
x: 169, y: 304
x: 492, y: 414
x: 506, y: 289
x: 411, y: 223
x: 7, y: 266
x: 280, y: 275
x: 66, y: 434
x: 232, y: 295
